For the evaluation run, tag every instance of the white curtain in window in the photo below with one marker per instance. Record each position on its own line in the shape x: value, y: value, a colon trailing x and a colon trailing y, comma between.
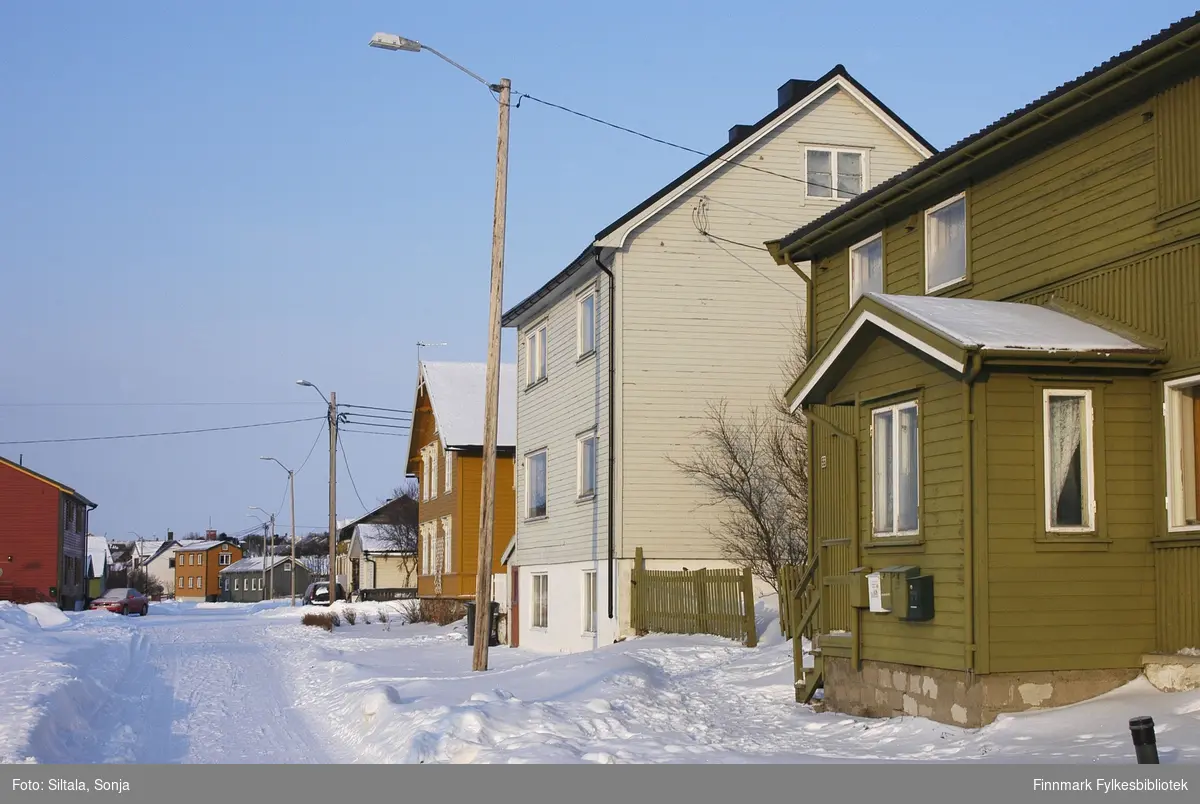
x: 908, y: 474
x: 820, y: 174
x: 1066, y: 461
x: 849, y: 174
x: 537, y: 484
x: 587, y: 324
x: 883, y: 503
x: 946, y: 249
x: 866, y: 269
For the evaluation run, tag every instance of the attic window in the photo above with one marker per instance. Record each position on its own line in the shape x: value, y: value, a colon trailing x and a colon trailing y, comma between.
x: 831, y: 173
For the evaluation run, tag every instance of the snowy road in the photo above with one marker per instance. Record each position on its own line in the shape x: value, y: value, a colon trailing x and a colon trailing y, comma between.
x: 191, y: 688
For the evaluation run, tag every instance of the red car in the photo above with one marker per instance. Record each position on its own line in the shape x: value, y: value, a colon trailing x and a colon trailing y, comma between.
x: 123, y: 601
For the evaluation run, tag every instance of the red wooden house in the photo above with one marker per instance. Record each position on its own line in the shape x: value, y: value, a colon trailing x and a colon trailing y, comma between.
x: 43, y: 538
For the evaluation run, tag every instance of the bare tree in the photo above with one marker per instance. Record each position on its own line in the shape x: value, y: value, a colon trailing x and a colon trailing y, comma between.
x: 400, y: 531
x: 756, y: 468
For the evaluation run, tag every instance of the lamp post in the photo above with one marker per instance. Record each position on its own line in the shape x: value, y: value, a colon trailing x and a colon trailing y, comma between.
x: 292, y: 495
x: 483, y: 579
x: 268, y: 580
x: 333, y: 428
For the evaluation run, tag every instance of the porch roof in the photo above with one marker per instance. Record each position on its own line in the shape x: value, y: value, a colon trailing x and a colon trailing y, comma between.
x: 952, y: 331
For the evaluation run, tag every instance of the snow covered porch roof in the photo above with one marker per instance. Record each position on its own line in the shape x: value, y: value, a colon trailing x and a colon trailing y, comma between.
x: 954, y: 332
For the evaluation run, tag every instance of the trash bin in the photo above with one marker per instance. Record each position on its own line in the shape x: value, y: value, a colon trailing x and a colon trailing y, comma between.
x: 493, y: 622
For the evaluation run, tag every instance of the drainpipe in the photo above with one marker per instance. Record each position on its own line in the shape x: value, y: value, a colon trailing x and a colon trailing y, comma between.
x: 974, y: 365
x: 612, y: 429
x: 809, y: 346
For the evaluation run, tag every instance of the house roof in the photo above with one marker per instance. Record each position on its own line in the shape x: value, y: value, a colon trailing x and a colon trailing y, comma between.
x: 256, y: 564
x: 950, y: 331
x: 38, y: 476
x: 456, y: 394
x: 98, y: 555
x: 807, y: 90
x: 200, y: 546
x: 987, y: 151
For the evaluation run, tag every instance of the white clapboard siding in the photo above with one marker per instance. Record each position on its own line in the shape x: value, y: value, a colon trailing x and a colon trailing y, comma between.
x: 701, y: 322
x: 573, y: 398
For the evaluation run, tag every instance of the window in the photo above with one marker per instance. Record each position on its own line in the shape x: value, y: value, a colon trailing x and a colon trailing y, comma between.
x: 235, y: 585
x: 1069, y: 472
x: 589, y: 602
x: 1183, y: 453
x: 586, y: 448
x: 895, y: 470
x: 535, y: 355
x: 223, y: 559
x: 199, y: 581
x: 425, y: 474
x: 866, y: 267
x: 447, y: 543
x: 433, y: 470
x: 191, y: 582
x: 587, y: 324
x: 535, y: 485
x: 200, y: 559
x: 226, y: 587
x: 541, y: 595
x: 426, y: 549
x: 832, y: 172
x: 449, y: 486
x: 946, y: 244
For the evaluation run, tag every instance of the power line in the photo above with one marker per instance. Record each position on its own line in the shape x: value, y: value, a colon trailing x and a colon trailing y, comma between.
x: 369, y: 407
x: 291, y: 480
x: 141, y: 404
x: 346, y: 463
x: 782, y: 287
x: 668, y: 143
x: 153, y: 435
x: 368, y: 432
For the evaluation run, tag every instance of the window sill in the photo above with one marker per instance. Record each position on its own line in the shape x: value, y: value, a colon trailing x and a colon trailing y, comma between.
x: 882, y: 543
x: 957, y: 284
x: 541, y: 518
x: 536, y: 383
x: 586, y: 498
x: 588, y: 354
x: 541, y: 629
x: 1188, y: 538
x: 1071, y: 543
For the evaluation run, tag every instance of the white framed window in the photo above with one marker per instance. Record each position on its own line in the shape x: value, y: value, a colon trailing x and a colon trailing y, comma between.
x: 866, y: 267
x: 895, y: 470
x: 236, y: 582
x: 426, y: 549
x: 449, y: 485
x: 589, y: 602
x: 535, y: 354
x: 946, y: 243
x: 448, y: 544
x: 585, y: 448
x: 200, y: 560
x: 433, y: 470
x: 535, y: 484
x: 425, y: 475
x: 226, y: 586
x: 191, y: 582
x: 541, y: 600
x: 587, y: 323
x: 199, y: 581
x: 223, y: 559
x: 1070, y: 473
x: 1181, y: 409
x: 834, y: 172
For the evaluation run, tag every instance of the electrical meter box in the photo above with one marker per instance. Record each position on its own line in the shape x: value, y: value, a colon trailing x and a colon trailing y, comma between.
x: 879, y: 596
x: 919, y: 606
x: 893, y: 589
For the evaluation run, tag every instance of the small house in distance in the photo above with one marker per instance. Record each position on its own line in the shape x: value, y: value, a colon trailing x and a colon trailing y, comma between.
x: 99, y: 561
x: 377, y: 553
x: 197, y: 566
x: 263, y: 578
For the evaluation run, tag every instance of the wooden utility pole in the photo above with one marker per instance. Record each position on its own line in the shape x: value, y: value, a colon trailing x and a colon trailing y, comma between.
x: 333, y: 427
x: 271, y: 576
x: 292, y: 492
x: 491, y: 408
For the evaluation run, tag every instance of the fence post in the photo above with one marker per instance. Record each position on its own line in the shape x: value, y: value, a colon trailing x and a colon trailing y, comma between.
x: 748, y: 602
x: 700, y: 581
x: 637, y: 599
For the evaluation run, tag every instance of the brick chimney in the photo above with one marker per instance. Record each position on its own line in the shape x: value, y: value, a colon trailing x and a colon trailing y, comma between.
x: 210, y: 535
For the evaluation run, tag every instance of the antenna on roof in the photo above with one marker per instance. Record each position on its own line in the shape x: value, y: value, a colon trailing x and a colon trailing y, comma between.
x: 426, y: 343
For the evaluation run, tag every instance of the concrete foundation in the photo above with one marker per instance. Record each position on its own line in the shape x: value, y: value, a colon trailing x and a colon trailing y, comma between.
x: 953, y: 697
x: 1172, y: 672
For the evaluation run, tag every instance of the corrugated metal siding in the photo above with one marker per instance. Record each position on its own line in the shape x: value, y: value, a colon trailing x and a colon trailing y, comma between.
x: 703, y: 321
x: 29, y: 530
x: 1158, y: 295
x: 1070, y: 609
x: 887, y: 368
x: 1177, y: 579
x: 1179, y: 146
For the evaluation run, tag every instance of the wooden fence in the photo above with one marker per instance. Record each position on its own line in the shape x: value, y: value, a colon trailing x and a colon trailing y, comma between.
x: 703, y: 601
x: 796, y: 594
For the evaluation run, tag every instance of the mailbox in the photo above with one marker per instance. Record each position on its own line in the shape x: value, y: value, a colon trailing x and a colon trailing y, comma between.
x: 919, y: 606
x: 860, y: 597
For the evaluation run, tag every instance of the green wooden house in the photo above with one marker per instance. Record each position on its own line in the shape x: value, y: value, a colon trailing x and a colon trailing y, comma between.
x: 1002, y: 396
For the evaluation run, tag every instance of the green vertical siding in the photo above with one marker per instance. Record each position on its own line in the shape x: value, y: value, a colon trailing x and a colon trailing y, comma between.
x: 1179, y: 146
x: 887, y: 368
x: 1177, y: 579
x: 834, y: 512
x: 1081, y: 605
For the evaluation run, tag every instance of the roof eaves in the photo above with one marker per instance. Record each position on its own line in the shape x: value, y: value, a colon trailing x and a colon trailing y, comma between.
x: 516, y: 314
x: 928, y: 171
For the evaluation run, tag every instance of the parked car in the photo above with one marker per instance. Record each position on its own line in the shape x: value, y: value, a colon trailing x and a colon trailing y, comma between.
x: 317, y: 594
x: 123, y: 601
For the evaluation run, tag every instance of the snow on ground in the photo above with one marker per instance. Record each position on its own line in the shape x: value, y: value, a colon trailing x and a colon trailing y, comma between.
x: 249, y: 683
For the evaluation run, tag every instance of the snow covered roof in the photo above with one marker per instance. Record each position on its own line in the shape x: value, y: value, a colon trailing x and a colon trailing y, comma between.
x: 99, y: 557
x: 456, y: 392
x: 145, y: 550
x: 375, y: 538
x: 977, y: 324
x: 256, y: 564
x: 950, y: 331
x: 198, y: 546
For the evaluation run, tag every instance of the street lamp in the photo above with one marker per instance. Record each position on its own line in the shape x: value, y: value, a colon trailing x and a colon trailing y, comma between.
x: 292, y: 493
x: 333, y: 428
x: 269, y: 580
x: 483, y: 580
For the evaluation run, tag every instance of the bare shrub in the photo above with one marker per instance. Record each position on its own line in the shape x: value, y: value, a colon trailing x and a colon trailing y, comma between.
x: 350, y: 616
x: 319, y: 620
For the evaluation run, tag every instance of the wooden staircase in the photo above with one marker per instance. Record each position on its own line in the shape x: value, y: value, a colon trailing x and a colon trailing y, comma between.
x: 803, y: 606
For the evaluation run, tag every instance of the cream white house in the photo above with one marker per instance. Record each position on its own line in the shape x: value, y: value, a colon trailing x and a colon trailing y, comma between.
x: 673, y: 306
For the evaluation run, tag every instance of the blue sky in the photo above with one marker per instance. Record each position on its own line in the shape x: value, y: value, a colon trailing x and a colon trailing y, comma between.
x: 206, y: 202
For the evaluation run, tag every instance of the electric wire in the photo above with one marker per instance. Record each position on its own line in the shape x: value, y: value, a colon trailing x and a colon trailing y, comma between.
x: 154, y: 435
x: 353, y: 485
